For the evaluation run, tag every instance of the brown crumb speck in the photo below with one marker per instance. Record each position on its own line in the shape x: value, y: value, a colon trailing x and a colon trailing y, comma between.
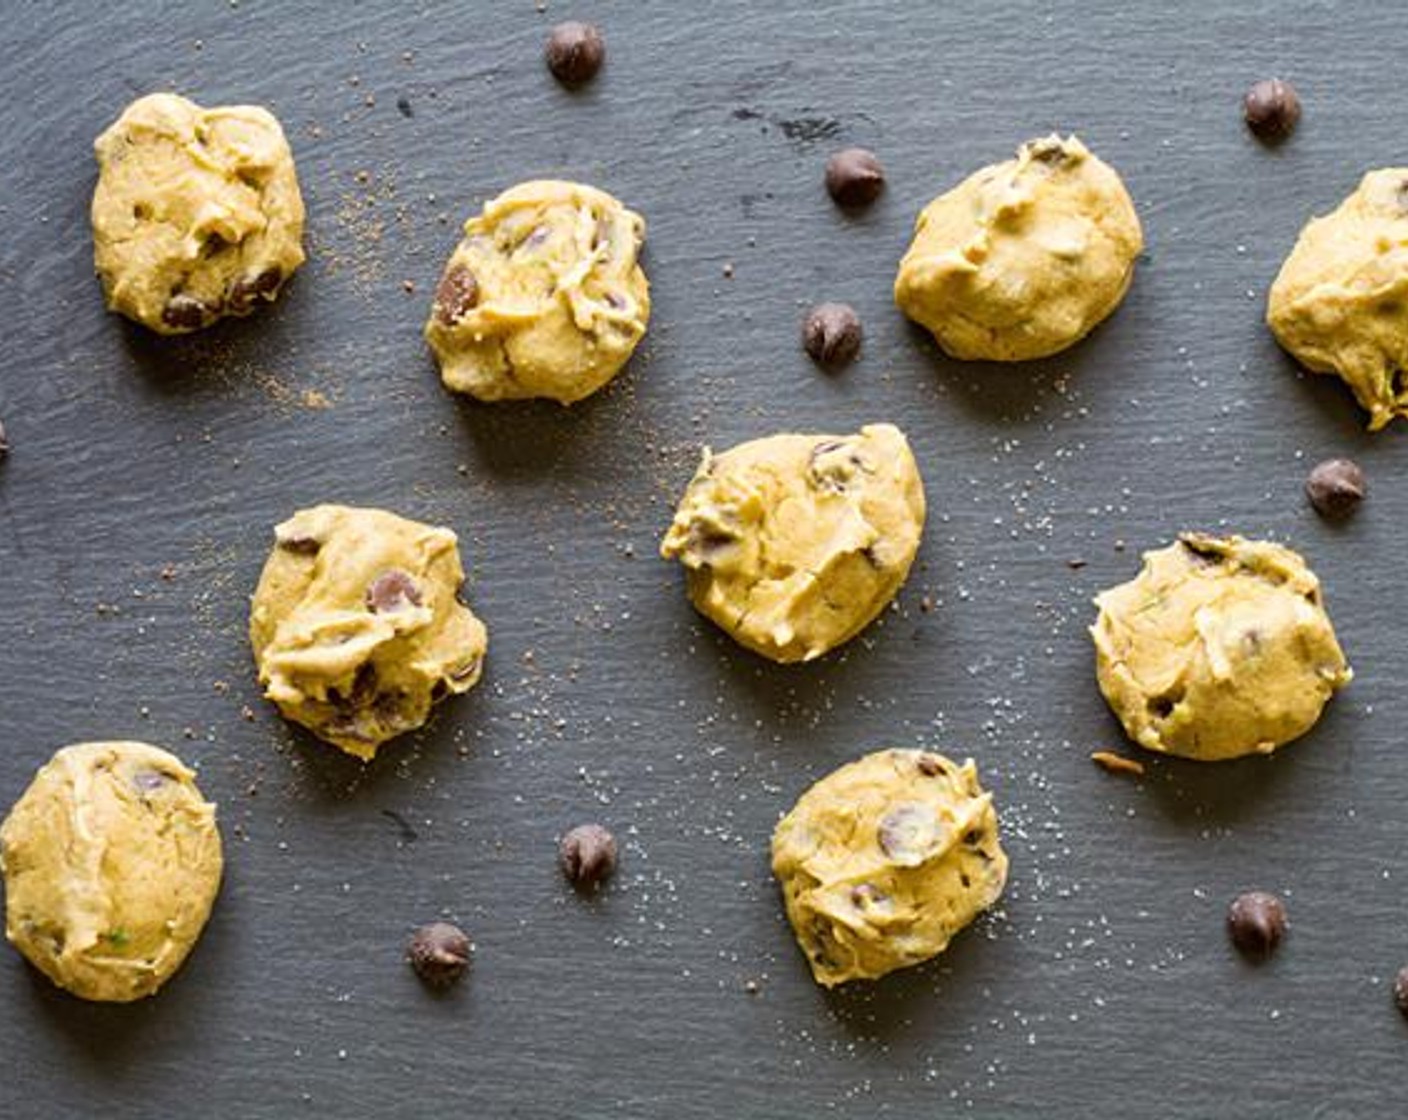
x: 1117, y: 763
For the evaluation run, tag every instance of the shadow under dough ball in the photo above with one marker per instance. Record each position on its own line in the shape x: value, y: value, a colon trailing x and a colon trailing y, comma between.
x: 197, y: 213
x: 1220, y: 647
x: 1023, y: 258
x: 357, y: 625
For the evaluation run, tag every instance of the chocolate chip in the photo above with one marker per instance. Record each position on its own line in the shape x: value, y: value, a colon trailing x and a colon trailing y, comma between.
x: 457, y: 292
x: 149, y: 781
x: 297, y: 542
x: 465, y: 671
x: 1271, y: 108
x: 831, y: 334
x: 392, y: 591
x: 184, y: 313
x: 908, y: 833
x: 4, y: 443
x: 247, y: 289
x: 1336, y: 487
x: 864, y: 896
x: 1256, y: 922
x: 439, y: 952
x: 854, y: 177
x: 575, y: 52
x: 587, y: 855
x: 930, y: 766
x: 1400, y: 990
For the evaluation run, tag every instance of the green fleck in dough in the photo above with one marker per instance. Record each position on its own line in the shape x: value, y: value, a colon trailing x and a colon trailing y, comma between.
x: 544, y: 297
x: 1340, y: 302
x: 357, y: 627
x: 884, y: 860
x: 794, y: 543
x: 1220, y: 647
x: 112, y: 862
x: 1024, y: 258
x: 197, y: 212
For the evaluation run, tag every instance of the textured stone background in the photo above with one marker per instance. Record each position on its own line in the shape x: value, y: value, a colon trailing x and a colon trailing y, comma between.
x: 1104, y: 986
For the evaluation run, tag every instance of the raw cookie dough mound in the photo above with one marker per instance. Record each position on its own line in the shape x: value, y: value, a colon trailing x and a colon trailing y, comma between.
x: 1340, y: 302
x: 1024, y: 258
x: 794, y: 543
x: 884, y: 860
x: 112, y: 862
x: 1220, y: 647
x: 197, y: 213
x: 357, y: 626
x: 544, y: 296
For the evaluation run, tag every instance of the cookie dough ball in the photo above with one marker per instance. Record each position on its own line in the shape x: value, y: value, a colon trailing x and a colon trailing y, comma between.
x: 794, y: 543
x: 1340, y: 302
x: 111, y: 861
x: 884, y: 860
x: 1220, y: 647
x: 544, y: 296
x: 357, y: 625
x: 1024, y: 258
x: 197, y: 213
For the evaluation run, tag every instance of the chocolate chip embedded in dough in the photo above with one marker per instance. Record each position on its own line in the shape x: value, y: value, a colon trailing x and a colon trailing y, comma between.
x: 247, y: 289
x: 149, y: 781
x: 185, y: 313
x: 930, y: 766
x: 299, y: 543
x: 455, y: 295
x: 393, y: 591
x: 908, y: 833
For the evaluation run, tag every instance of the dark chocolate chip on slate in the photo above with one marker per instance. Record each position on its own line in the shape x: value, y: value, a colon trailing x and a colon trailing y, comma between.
x: 457, y: 292
x: 854, y: 177
x: 1256, y: 921
x: 831, y: 334
x: 393, y: 591
x: 1336, y: 487
x: 439, y: 952
x: 4, y: 443
x: 1400, y: 990
x: 587, y: 855
x: 575, y: 52
x: 184, y: 313
x: 1271, y: 108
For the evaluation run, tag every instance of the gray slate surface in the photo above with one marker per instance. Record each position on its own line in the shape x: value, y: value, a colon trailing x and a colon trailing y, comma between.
x: 1105, y: 986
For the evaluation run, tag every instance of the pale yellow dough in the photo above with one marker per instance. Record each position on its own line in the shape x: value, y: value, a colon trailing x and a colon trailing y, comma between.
x: 1220, y: 647
x: 794, y: 543
x: 357, y: 626
x: 197, y: 213
x: 112, y: 861
x: 544, y: 297
x: 884, y: 860
x: 1024, y: 258
x: 1340, y: 302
